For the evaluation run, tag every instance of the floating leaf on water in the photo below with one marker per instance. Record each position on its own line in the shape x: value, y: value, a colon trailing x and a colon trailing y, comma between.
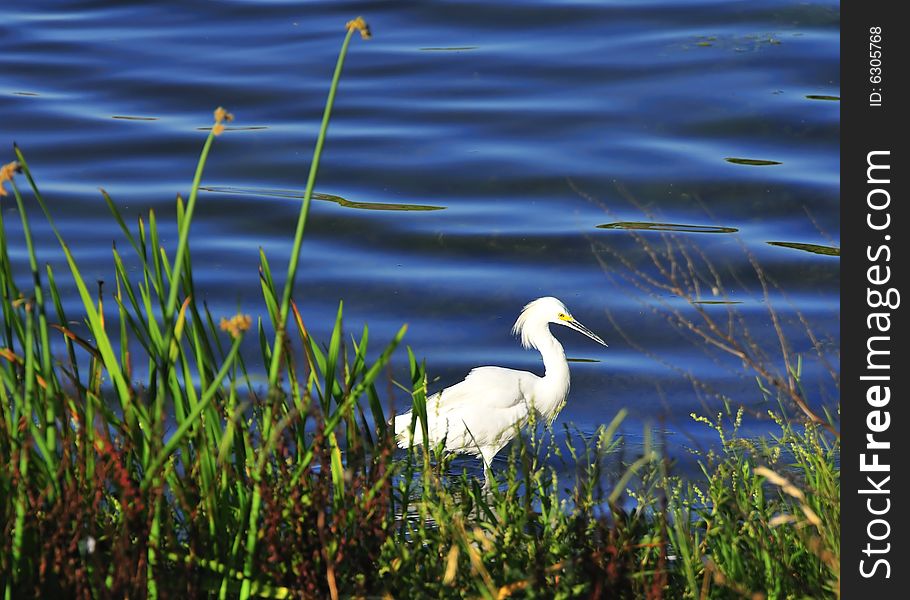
x: 681, y: 228
x: 752, y: 162
x: 823, y: 97
x: 325, y: 197
x: 131, y: 118
x: 583, y: 360
x: 236, y: 128
x: 375, y: 205
x: 449, y: 49
x: 26, y: 94
x: 813, y: 248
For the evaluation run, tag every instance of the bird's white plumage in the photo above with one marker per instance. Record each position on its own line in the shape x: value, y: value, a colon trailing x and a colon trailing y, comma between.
x: 481, y: 414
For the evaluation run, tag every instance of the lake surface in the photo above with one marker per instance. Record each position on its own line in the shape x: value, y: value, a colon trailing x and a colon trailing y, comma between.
x: 525, y: 125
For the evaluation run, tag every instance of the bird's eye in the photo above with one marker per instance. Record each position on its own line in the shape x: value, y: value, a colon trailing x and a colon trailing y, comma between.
x: 561, y: 315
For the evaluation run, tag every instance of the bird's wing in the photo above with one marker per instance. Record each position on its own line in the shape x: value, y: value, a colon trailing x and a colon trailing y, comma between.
x: 478, y: 413
x: 487, y: 388
x: 482, y: 411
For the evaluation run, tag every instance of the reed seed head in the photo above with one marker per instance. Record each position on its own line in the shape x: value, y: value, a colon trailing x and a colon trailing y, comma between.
x: 6, y: 174
x: 221, y: 115
x: 360, y: 25
x: 236, y: 325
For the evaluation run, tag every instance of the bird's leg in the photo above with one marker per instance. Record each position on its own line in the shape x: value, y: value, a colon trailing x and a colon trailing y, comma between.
x: 487, y: 473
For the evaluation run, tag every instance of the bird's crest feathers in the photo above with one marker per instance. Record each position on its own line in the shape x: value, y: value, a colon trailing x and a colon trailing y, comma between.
x: 539, y: 312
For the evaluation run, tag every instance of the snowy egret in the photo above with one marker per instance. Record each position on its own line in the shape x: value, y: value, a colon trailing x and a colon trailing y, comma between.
x: 481, y: 414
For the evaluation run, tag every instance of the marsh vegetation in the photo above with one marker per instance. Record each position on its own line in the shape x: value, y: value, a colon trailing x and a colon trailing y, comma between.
x: 157, y: 457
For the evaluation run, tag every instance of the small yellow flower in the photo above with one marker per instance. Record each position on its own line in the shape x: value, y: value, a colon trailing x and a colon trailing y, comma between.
x: 6, y: 174
x: 360, y: 25
x: 236, y: 324
x: 221, y: 115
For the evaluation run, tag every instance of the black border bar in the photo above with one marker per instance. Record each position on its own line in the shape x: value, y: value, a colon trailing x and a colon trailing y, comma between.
x: 875, y: 424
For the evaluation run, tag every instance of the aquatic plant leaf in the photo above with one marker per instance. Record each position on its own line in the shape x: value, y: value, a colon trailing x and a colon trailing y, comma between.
x: 814, y: 248
x: 340, y: 201
x: 133, y: 118
x: 752, y: 162
x: 448, y: 48
x: 678, y: 227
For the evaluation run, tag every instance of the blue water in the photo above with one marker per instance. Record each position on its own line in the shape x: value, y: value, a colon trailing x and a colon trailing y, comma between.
x: 528, y: 123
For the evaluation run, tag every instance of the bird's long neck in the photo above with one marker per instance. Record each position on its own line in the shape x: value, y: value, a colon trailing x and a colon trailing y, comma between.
x: 554, y: 387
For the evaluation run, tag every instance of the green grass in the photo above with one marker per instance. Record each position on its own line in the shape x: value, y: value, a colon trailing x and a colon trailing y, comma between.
x: 196, y: 481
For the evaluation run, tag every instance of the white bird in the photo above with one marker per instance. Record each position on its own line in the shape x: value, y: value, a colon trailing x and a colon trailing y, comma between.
x: 481, y: 414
